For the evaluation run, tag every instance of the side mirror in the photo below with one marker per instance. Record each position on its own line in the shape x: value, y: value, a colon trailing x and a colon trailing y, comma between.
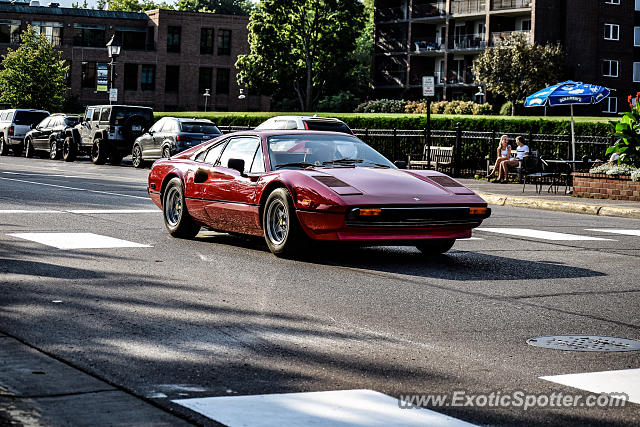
x: 201, y: 176
x: 237, y: 164
x: 32, y: 126
x: 400, y: 164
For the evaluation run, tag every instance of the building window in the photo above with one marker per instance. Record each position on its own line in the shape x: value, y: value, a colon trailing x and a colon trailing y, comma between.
x: 204, y: 80
x: 636, y: 36
x: 206, y: 41
x: 636, y: 72
x: 222, y: 81
x: 526, y: 25
x: 130, y: 76
x: 89, y: 74
x: 637, y: 4
x: 151, y: 43
x: 615, y: 1
x: 67, y: 75
x: 611, y: 32
x: 132, y: 38
x: 224, y: 42
x: 172, y: 78
x: 610, y: 105
x: 610, y: 68
x: 148, y: 78
x: 88, y: 35
x: 51, y: 30
x: 9, y: 31
x: 173, y: 39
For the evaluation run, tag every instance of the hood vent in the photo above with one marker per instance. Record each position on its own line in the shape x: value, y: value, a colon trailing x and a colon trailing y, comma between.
x: 445, y: 181
x: 331, y: 181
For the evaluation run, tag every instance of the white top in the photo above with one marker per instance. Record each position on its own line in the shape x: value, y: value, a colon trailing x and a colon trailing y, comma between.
x: 503, y: 153
x: 521, y: 151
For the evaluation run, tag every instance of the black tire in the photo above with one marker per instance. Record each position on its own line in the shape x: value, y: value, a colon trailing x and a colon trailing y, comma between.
x: 166, y: 152
x: 174, y: 210
x: 282, y: 231
x: 69, y: 149
x: 28, y: 148
x: 136, y: 157
x: 116, y: 158
x: 54, y: 152
x: 4, y: 147
x: 98, y: 152
x: 435, y: 246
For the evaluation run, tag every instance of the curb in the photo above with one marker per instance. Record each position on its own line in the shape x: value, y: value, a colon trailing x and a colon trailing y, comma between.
x: 552, y: 205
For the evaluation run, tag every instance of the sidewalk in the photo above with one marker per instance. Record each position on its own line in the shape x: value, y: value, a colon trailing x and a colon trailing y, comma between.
x: 512, y: 195
x: 38, y: 390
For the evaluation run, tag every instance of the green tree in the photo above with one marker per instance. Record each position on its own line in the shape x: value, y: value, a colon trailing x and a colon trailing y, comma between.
x: 224, y: 7
x: 33, y: 76
x: 136, y: 5
x: 298, y: 48
x: 77, y: 5
x: 516, y: 68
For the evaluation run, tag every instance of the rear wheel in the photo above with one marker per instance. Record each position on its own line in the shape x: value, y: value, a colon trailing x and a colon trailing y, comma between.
x: 136, y: 157
x: 166, y: 152
x: 282, y: 232
x: 98, y: 155
x: 4, y: 148
x: 54, y: 153
x: 68, y: 150
x: 28, y: 148
x: 176, y: 217
x: 435, y: 246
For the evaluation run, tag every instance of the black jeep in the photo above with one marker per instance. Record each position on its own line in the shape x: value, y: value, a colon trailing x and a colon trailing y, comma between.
x: 107, y: 131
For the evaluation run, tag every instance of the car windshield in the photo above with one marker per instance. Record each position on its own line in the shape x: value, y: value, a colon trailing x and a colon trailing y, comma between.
x: 327, y: 125
x: 308, y: 150
x: 197, y: 127
x: 71, y: 121
x: 122, y: 114
x: 29, y: 117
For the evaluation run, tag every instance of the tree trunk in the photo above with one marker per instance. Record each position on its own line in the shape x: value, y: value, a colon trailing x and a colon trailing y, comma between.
x: 309, y: 86
x: 513, y: 107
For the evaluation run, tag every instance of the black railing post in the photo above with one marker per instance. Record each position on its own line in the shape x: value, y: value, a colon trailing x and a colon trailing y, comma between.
x: 456, y: 150
x: 394, y: 148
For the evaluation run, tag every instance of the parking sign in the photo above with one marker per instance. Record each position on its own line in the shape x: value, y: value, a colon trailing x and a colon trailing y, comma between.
x: 428, y: 86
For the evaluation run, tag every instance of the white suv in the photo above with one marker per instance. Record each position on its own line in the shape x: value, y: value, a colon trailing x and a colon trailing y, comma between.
x: 305, y: 122
x: 14, y: 124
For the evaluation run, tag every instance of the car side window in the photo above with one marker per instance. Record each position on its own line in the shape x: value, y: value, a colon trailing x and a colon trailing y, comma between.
x: 157, y: 126
x: 240, y: 148
x: 43, y: 124
x: 96, y: 115
x: 169, y: 126
x: 88, y: 115
x: 104, y: 115
x: 214, y: 153
x: 258, y: 163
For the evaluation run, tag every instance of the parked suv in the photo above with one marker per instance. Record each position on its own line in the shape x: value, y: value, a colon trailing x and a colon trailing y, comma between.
x: 48, y: 135
x: 107, y: 131
x: 14, y: 124
x: 305, y: 122
x: 171, y: 135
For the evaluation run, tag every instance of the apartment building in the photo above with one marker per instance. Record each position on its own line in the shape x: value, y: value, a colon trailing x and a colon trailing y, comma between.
x: 167, y: 61
x: 415, y: 38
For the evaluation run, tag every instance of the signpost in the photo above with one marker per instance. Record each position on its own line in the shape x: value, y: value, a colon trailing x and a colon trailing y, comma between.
x: 113, y: 94
x: 428, y: 91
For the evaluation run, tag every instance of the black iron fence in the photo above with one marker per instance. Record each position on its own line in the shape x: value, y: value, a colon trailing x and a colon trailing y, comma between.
x: 471, y: 148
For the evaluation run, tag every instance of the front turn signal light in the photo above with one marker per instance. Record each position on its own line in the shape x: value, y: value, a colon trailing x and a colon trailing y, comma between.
x: 370, y: 212
x: 307, y: 203
x: 477, y: 211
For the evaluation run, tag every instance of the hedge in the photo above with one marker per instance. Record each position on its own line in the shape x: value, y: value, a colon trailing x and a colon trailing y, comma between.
x: 524, y: 125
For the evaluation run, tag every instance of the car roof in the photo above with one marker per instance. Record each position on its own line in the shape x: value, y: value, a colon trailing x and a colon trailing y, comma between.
x: 324, y: 119
x: 276, y: 132
x: 118, y: 105
x: 186, y: 119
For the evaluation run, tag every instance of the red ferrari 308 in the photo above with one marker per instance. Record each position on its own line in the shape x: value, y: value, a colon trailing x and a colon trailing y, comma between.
x: 294, y: 186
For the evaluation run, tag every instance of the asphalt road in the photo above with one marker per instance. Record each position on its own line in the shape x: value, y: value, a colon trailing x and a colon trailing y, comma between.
x: 222, y: 316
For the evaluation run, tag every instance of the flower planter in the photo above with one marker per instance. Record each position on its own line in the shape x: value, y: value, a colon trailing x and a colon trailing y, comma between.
x: 601, y: 186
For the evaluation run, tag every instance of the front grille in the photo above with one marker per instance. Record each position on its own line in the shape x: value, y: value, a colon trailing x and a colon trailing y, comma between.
x: 420, y: 217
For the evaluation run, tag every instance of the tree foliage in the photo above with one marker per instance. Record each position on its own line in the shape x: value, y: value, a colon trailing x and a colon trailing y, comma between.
x: 136, y: 5
x: 628, y: 132
x: 302, y: 48
x: 33, y: 76
x: 516, y: 68
x: 224, y: 7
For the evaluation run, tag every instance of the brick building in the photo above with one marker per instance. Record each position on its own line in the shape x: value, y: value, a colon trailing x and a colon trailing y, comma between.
x: 415, y: 38
x: 168, y: 58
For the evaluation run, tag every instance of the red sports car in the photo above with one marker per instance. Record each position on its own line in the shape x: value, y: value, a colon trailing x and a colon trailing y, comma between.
x: 294, y: 186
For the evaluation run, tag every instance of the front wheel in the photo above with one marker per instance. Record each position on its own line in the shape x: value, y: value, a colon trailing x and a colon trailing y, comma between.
x: 166, y: 152
x: 54, y: 153
x: 136, y: 157
x: 28, y: 148
x: 282, y: 232
x: 176, y: 217
x: 68, y: 150
x: 435, y: 246
x: 98, y: 154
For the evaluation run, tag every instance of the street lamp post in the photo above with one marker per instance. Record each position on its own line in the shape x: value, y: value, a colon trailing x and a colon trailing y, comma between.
x: 113, y: 49
x: 206, y: 95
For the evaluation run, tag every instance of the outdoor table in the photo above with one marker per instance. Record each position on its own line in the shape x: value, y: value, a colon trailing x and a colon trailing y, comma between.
x: 566, y: 177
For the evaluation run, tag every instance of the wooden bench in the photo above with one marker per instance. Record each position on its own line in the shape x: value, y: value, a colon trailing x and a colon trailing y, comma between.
x: 441, y: 157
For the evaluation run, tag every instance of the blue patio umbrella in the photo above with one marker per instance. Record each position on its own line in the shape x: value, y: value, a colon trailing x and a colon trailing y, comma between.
x: 568, y: 93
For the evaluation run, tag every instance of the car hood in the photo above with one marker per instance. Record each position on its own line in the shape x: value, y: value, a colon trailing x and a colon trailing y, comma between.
x: 393, y: 186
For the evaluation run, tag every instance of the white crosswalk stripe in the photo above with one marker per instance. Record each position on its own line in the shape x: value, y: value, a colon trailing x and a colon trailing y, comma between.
x: 342, y: 408
x: 78, y: 240
x: 540, y: 234
x: 623, y: 381
x: 626, y: 232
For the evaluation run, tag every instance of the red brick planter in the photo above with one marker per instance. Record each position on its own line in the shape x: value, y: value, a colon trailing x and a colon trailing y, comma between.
x: 601, y: 186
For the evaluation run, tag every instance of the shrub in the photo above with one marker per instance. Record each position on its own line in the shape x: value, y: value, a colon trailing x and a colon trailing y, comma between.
x: 635, y: 175
x: 612, y: 169
x: 414, y: 107
x: 505, y: 110
x: 438, y: 107
x: 450, y: 107
x: 382, y: 106
x: 343, y: 102
x: 482, y: 109
x: 464, y: 107
x: 627, y: 129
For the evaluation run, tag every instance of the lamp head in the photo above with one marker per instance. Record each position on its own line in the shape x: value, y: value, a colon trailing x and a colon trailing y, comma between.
x: 113, y: 47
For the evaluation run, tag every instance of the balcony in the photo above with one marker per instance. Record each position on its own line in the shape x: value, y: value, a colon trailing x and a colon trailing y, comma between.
x: 455, y: 78
x: 391, y: 14
x: 510, y: 4
x: 467, y: 7
x: 432, y: 45
x: 496, y: 37
x: 429, y: 10
x: 391, y: 45
x: 469, y: 42
x: 395, y: 78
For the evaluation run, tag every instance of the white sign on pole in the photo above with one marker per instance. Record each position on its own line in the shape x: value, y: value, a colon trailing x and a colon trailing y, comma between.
x: 428, y: 86
x: 113, y: 94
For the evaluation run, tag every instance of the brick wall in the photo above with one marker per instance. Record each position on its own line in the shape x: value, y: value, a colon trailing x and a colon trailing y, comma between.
x: 600, y: 186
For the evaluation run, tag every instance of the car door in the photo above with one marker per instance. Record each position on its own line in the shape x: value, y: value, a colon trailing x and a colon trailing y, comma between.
x: 199, y: 181
x: 38, y: 132
x: 86, y: 127
x: 231, y: 195
x: 45, y: 134
x: 146, y: 141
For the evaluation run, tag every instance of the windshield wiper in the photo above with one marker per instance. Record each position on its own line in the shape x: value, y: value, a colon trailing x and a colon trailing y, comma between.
x: 299, y: 164
x: 342, y: 161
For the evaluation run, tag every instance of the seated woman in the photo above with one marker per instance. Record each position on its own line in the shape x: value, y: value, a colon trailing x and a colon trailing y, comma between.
x: 503, y: 153
x: 521, y: 152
